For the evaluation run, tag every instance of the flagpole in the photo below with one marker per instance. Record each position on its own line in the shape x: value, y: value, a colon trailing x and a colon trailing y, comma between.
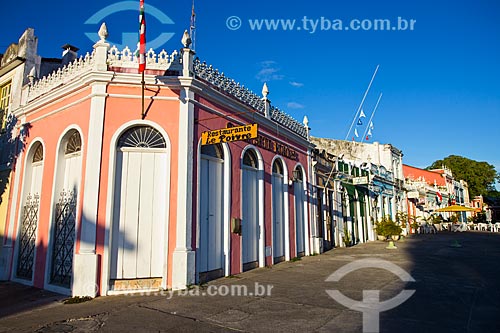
x: 143, y: 83
x: 192, y: 28
x: 371, y: 117
x: 362, y: 101
x: 142, y: 51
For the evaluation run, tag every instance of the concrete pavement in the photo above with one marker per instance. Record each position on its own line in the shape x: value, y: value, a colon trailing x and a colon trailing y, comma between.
x: 456, y: 291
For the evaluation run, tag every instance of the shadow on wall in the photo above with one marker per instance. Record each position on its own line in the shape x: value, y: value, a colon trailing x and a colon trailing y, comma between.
x: 56, y: 257
x: 10, y: 148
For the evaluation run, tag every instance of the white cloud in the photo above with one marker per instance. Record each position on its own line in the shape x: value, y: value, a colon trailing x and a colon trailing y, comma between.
x: 268, y: 63
x: 296, y: 84
x: 295, y: 105
x: 269, y: 71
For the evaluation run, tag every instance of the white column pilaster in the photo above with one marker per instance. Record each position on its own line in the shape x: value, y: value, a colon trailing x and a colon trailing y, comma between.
x: 184, y: 267
x: 85, y: 264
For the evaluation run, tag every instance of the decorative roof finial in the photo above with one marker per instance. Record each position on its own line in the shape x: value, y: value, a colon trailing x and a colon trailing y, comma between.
x: 186, y: 39
x: 32, y: 75
x: 265, y: 90
x: 305, y: 121
x: 103, y: 32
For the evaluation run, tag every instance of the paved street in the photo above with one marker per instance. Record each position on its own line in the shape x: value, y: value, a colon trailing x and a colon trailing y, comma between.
x: 457, y: 290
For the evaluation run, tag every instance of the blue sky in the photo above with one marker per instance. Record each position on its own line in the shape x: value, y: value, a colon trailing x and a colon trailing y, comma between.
x: 440, y: 81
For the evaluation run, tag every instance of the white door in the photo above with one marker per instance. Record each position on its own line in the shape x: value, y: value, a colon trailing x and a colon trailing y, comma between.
x: 298, y: 190
x: 210, y: 247
x: 278, y: 218
x: 250, y: 217
x: 138, y: 241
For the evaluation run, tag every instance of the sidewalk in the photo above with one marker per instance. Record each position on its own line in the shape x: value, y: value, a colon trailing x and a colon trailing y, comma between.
x: 456, y: 291
x: 15, y: 298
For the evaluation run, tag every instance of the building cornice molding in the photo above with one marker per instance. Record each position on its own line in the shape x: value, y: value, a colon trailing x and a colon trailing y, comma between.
x: 72, y: 88
x: 11, y: 65
x: 244, y: 111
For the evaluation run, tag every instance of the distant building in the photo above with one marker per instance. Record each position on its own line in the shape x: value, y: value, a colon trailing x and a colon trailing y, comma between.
x: 341, y: 202
x: 384, y: 161
x: 429, y: 190
x: 365, y: 184
x: 478, y: 203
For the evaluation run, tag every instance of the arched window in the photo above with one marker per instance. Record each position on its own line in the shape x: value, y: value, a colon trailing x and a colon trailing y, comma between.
x: 250, y: 158
x: 212, y: 150
x: 30, y: 214
x: 297, y: 174
x: 210, y: 247
x: 278, y: 167
x: 142, y: 137
x: 250, y: 204
x: 38, y: 154
x: 300, y: 227
x: 140, y: 209
x: 67, y: 183
x: 74, y: 143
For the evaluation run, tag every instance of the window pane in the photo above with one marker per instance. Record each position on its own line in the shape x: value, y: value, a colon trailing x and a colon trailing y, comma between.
x: 142, y: 137
x: 212, y: 150
x: 74, y: 143
x: 250, y: 158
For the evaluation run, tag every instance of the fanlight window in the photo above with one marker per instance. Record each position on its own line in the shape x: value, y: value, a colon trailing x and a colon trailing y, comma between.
x: 38, y: 155
x: 142, y: 137
x: 278, y: 167
x: 250, y: 158
x: 212, y: 150
x: 297, y: 174
x: 74, y: 143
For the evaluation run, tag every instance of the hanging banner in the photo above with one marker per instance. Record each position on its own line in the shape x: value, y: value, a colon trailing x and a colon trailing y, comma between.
x: 231, y: 134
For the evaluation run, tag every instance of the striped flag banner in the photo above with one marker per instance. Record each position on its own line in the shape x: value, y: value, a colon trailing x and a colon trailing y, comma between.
x: 142, y: 38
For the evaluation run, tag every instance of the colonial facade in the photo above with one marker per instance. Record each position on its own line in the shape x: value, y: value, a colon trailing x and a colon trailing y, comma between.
x: 384, y: 163
x: 112, y: 185
x: 429, y: 190
x: 356, y: 185
x: 110, y: 196
x: 16, y: 69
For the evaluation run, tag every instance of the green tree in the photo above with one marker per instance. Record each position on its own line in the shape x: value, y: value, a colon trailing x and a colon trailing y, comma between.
x: 480, y: 176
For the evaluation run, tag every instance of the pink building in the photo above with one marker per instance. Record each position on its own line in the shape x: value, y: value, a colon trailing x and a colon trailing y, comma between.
x: 106, y: 198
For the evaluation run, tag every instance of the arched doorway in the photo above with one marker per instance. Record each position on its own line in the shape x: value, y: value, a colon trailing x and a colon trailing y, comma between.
x: 298, y: 190
x: 250, y: 210
x: 210, y: 247
x: 68, y: 177
x: 30, y: 213
x: 140, y: 210
x: 278, y: 207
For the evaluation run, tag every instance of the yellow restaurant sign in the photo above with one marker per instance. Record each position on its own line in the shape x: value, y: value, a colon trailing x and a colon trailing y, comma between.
x: 231, y: 134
